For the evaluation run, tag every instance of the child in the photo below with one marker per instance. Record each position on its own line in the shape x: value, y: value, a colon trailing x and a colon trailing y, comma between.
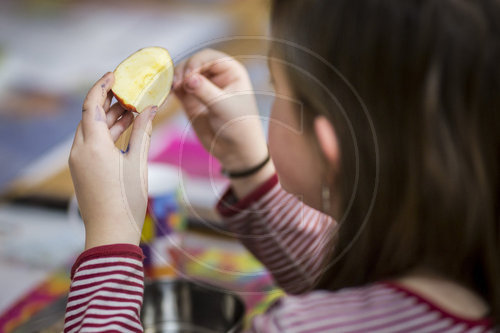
x: 386, y: 120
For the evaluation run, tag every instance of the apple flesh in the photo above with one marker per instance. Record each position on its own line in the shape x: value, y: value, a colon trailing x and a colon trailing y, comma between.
x: 144, y: 79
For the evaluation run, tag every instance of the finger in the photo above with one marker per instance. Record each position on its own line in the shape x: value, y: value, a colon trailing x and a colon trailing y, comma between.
x: 191, y: 105
x: 203, y: 60
x: 178, y: 75
x: 141, y: 133
x: 189, y: 102
x: 223, y: 79
x: 78, y: 134
x: 114, y: 113
x: 199, y: 86
x: 135, y: 161
x: 121, y: 125
x: 77, y: 140
x: 107, y: 103
x: 93, y: 114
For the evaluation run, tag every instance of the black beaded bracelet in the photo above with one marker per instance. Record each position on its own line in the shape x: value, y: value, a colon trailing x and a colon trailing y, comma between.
x: 248, y: 172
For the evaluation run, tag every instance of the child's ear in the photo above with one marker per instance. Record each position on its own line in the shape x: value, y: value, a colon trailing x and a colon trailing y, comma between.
x: 327, y: 140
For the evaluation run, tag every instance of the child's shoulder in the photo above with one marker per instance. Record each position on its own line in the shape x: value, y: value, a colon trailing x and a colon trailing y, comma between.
x: 376, y: 307
x: 355, y: 298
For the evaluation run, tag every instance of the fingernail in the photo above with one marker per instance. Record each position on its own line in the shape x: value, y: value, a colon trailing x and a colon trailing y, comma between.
x: 193, y: 82
x: 126, y: 150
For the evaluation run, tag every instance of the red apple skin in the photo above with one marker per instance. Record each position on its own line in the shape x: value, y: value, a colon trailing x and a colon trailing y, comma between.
x: 126, y: 106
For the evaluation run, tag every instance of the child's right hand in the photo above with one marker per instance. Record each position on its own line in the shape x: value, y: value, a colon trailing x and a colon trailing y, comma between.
x: 217, y: 95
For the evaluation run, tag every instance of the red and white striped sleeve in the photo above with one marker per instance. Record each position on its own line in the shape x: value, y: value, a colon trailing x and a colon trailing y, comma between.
x: 290, y: 238
x: 107, y: 287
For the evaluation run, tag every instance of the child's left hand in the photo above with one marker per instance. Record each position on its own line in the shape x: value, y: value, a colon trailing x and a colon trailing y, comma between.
x: 110, y: 185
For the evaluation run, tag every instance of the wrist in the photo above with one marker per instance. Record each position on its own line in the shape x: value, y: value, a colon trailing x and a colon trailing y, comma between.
x: 245, y: 159
x: 92, y: 242
x: 108, y: 234
x: 245, y: 185
x: 247, y: 172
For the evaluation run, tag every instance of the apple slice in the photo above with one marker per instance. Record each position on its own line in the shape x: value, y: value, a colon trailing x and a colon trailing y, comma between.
x: 143, y: 79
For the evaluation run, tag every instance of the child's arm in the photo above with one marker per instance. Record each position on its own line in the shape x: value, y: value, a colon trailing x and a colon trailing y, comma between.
x: 106, y: 291
x: 111, y: 188
x: 291, y: 239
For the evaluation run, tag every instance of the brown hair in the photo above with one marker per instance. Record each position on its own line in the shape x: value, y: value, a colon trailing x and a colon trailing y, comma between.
x: 418, y: 121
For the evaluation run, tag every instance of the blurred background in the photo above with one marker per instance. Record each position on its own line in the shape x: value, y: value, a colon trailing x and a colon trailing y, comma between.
x: 51, y: 52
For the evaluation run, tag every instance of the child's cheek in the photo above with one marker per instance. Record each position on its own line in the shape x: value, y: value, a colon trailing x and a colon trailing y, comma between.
x: 284, y: 154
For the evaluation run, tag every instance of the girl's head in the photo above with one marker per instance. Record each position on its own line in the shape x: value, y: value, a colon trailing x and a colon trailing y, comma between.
x: 393, y: 107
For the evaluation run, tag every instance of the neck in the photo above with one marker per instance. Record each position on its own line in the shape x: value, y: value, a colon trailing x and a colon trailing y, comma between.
x: 445, y: 293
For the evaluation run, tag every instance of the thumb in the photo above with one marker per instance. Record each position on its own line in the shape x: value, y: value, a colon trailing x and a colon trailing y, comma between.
x: 134, y: 169
x: 141, y: 133
x: 201, y: 87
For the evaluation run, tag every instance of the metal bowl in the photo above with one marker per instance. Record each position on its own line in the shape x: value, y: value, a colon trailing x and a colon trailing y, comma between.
x: 183, y: 306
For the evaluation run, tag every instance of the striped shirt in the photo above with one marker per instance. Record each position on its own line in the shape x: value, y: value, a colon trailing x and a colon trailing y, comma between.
x: 107, y: 287
x: 289, y: 238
